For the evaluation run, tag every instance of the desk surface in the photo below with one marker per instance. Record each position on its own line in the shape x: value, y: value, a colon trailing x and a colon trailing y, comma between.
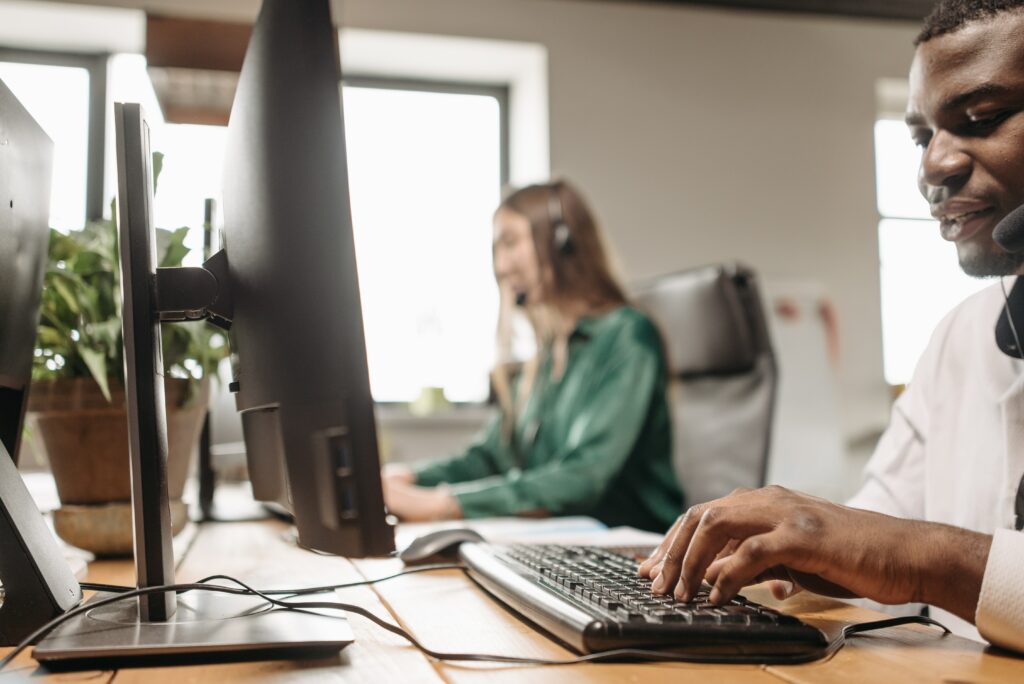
x: 448, y: 612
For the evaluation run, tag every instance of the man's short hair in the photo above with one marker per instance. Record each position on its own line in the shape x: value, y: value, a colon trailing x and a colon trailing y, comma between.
x: 951, y: 15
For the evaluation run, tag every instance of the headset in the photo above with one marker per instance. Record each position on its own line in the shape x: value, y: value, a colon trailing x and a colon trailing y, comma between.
x: 1009, y: 235
x: 561, y: 234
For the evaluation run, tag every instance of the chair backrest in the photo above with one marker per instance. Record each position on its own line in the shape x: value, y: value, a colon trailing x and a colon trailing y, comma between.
x: 723, y: 376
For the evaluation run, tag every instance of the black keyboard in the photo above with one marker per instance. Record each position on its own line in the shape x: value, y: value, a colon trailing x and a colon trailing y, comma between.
x: 591, y: 599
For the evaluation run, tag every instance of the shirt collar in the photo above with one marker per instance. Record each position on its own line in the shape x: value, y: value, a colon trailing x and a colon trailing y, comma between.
x: 588, y: 326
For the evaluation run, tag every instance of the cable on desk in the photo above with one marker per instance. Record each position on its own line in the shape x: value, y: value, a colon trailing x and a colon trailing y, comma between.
x: 860, y: 627
x: 120, y: 589
x: 617, y: 654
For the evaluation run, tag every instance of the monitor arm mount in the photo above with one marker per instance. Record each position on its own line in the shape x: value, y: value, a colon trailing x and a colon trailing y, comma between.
x: 193, y: 293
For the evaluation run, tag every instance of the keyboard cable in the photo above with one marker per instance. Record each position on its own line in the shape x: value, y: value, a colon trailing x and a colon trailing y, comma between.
x: 123, y: 593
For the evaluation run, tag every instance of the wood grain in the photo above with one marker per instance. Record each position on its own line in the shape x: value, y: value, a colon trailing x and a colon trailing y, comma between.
x: 448, y: 612
x: 265, y: 556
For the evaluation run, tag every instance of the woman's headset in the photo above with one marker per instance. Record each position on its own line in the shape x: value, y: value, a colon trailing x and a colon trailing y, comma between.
x: 560, y: 232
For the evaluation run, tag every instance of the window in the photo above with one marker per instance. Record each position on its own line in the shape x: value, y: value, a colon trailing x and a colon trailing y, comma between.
x: 193, y: 158
x: 426, y: 164
x: 921, y: 279
x: 57, y: 97
x: 425, y: 170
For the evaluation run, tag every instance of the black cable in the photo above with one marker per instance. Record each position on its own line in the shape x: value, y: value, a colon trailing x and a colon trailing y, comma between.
x: 1009, y: 316
x: 109, y: 588
x: 121, y: 589
x: 617, y: 654
x: 361, y: 583
x: 860, y: 627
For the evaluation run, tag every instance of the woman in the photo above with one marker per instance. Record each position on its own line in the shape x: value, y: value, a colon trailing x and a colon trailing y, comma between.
x: 585, y: 429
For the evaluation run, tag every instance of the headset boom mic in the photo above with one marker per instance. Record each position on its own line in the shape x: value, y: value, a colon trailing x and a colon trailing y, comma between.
x: 1009, y: 233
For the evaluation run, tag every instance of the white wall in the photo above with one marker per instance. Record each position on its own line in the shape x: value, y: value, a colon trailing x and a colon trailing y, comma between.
x: 701, y: 135
x: 705, y: 135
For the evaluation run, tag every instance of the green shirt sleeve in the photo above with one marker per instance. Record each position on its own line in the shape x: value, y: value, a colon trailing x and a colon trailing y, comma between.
x: 480, y: 460
x: 599, y: 441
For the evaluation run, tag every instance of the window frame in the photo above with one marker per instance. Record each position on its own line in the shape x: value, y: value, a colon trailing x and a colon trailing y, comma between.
x: 498, y: 91
x: 95, y: 64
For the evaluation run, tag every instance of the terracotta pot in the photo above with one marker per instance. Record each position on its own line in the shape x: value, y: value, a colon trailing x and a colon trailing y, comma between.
x: 85, y: 438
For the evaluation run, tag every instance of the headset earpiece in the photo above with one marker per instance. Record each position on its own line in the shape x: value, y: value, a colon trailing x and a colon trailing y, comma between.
x: 560, y: 231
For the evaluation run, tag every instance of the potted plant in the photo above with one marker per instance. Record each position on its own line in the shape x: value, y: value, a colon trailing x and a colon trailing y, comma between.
x: 76, y: 411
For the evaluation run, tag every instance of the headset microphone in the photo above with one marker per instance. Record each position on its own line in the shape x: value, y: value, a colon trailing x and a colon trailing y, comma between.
x: 1009, y: 234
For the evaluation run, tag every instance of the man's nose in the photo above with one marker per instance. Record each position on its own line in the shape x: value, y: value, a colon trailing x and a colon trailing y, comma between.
x: 945, y: 165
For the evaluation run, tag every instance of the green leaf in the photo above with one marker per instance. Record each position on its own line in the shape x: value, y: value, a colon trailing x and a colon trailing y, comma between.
x: 158, y: 166
x: 171, y: 245
x: 97, y: 364
x: 60, y: 285
x: 81, y: 298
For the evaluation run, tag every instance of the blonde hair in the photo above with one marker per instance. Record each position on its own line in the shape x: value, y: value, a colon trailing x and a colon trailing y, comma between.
x: 576, y: 273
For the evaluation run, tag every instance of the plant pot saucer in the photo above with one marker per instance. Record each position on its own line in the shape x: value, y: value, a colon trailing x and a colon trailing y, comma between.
x: 106, y: 529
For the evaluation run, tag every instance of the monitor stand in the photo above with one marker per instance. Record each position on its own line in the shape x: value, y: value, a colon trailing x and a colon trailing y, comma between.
x: 206, y: 627
x: 163, y: 628
x: 37, y: 583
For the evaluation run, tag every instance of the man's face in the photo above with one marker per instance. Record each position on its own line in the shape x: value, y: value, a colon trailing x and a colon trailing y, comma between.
x: 966, y: 112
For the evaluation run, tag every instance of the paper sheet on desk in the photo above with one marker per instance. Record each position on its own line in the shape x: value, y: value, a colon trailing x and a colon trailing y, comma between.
x: 576, y: 530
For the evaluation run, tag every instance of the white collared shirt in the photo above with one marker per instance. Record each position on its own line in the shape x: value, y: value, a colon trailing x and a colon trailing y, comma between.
x: 954, y: 453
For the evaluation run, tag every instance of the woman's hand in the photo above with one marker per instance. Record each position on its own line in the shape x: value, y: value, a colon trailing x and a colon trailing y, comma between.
x: 419, y: 504
x: 398, y: 472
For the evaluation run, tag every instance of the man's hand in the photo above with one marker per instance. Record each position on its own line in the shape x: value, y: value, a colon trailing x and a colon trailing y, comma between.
x: 773, y: 533
x: 419, y: 504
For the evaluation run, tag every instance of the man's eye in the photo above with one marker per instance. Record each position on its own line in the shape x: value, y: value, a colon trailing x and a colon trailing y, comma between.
x: 986, y: 123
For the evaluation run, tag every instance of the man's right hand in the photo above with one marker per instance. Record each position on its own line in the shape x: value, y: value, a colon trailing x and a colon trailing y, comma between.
x: 773, y: 533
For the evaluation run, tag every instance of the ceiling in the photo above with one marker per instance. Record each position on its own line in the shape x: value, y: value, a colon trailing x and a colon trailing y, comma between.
x: 910, y: 10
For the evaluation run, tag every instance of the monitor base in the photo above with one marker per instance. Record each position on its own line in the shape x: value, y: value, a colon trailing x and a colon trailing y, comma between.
x: 207, y: 627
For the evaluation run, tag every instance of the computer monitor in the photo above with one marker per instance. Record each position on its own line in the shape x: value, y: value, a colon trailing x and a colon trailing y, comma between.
x: 286, y: 287
x: 301, y: 378
x: 36, y: 583
x: 26, y: 162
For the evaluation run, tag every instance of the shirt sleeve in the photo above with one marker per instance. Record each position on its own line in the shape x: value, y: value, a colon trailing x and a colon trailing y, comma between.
x: 479, y: 460
x: 600, y: 440
x: 894, y: 477
x: 1000, y: 614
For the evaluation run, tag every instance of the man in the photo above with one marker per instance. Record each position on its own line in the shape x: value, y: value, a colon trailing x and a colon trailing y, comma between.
x: 934, y: 521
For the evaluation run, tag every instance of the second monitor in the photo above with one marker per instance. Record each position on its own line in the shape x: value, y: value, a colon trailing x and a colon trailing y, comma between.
x: 297, y: 333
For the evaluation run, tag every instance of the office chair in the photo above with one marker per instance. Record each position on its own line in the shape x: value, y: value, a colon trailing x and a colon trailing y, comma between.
x: 722, y: 376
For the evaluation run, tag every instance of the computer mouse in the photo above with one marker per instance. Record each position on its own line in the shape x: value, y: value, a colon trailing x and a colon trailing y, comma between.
x: 437, y: 546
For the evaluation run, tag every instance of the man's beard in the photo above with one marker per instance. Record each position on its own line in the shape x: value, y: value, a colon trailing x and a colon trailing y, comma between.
x: 991, y: 262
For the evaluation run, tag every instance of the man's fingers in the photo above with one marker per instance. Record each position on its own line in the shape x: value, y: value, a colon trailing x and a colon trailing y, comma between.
x: 754, y: 557
x: 672, y: 560
x: 646, y: 568
x: 784, y: 589
x: 719, y: 528
x: 726, y: 551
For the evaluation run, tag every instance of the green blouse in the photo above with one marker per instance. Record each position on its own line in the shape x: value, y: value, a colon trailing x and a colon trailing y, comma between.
x: 598, y: 442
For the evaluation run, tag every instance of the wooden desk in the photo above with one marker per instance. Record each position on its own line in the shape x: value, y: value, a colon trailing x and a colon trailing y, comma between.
x: 448, y: 612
